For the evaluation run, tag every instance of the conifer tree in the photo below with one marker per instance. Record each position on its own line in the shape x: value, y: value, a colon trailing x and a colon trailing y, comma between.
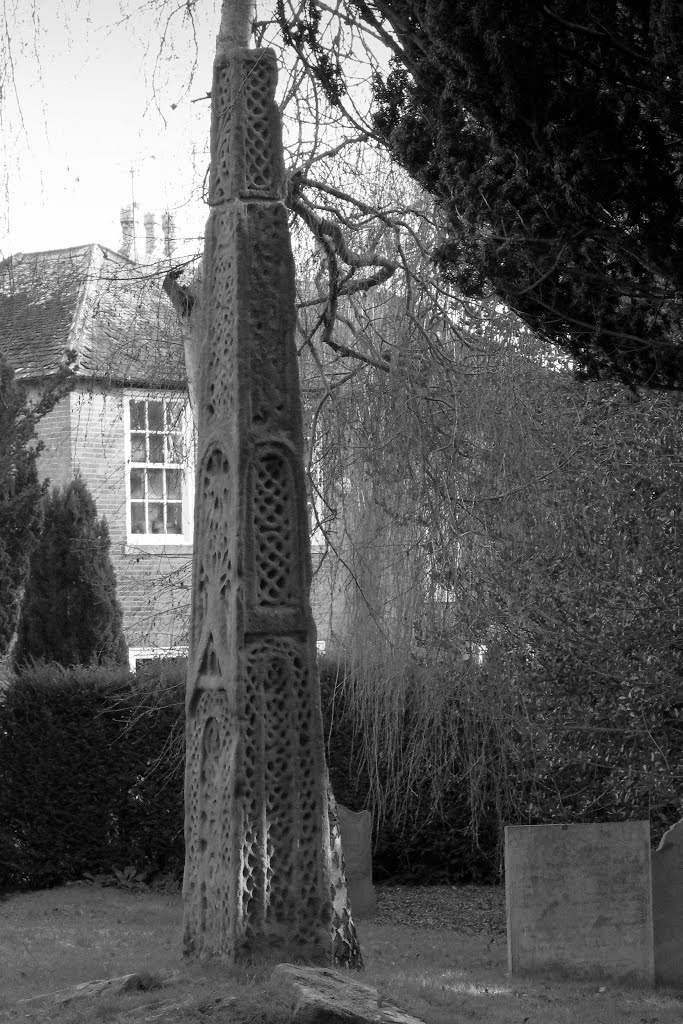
x: 70, y: 613
x: 21, y: 493
x: 550, y: 134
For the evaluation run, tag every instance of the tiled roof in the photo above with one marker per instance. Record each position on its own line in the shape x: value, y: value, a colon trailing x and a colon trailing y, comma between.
x: 92, y: 310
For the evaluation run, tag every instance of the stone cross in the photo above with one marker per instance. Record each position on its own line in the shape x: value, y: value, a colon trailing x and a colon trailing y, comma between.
x: 264, y: 869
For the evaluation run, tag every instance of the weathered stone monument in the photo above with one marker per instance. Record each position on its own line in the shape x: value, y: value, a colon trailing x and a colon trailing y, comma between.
x: 263, y: 864
x: 356, y: 833
x: 579, y: 898
x: 667, y: 907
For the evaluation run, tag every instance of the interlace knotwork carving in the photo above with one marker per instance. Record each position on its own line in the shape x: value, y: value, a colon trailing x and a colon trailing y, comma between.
x: 273, y: 360
x: 218, y: 393
x: 224, y: 129
x: 209, y: 812
x: 282, y: 738
x: 278, y: 574
x: 245, y: 122
x: 258, y: 98
x: 215, y: 574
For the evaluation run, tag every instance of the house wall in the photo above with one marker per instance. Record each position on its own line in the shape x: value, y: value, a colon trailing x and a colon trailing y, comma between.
x: 54, y: 430
x: 85, y: 433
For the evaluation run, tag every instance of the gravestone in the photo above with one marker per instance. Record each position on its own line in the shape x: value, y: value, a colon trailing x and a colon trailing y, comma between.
x: 579, y: 898
x: 356, y: 834
x: 667, y: 907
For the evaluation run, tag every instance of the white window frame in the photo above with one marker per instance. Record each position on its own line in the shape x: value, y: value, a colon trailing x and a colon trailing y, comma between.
x: 136, y: 654
x: 187, y: 471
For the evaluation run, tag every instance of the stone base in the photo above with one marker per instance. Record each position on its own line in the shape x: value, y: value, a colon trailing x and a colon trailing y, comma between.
x: 667, y: 905
x: 319, y: 995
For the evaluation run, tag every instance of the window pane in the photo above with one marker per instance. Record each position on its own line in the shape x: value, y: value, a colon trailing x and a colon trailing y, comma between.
x: 176, y: 448
x: 174, y: 514
x: 137, y: 517
x: 137, y: 448
x: 137, y: 483
x: 155, y: 413
x: 137, y: 415
x: 173, y: 483
x: 155, y: 483
x: 174, y: 415
x: 156, y: 448
x: 156, y: 518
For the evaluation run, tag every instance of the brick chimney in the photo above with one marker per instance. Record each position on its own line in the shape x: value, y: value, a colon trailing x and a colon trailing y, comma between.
x: 150, y: 234
x: 168, y: 228
x: 127, y: 219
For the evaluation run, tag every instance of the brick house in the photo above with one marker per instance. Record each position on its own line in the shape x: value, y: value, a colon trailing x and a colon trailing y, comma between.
x: 125, y: 423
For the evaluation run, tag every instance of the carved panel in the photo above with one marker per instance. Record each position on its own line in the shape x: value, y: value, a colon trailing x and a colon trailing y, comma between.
x: 260, y: 154
x: 278, y: 575
x: 224, y: 124
x: 285, y: 793
x: 215, y: 573
x: 219, y: 359
x: 271, y: 320
x: 247, y: 159
x: 211, y: 754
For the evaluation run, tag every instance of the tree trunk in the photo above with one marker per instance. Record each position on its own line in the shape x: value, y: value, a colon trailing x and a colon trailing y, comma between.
x: 263, y: 866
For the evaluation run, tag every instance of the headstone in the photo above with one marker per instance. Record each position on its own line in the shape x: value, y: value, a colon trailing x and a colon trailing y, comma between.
x: 579, y: 898
x: 667, y: 907
x: 322, y: 996
x: 356, y: 834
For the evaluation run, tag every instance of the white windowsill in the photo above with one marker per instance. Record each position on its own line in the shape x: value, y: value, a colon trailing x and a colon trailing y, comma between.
x: 143, y: 546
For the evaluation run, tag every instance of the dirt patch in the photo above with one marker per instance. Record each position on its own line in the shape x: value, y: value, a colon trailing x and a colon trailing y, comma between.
x: 469, y: 909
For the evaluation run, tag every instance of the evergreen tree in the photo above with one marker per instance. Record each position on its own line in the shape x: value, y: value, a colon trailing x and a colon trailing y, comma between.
x: 21, y: 509
x: 551, y: 135
x: 70, y: 613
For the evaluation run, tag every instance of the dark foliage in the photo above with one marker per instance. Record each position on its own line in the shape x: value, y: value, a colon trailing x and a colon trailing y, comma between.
x: 70, y: 614
x: 86, y: 797
x: 21, y: 510
x: 552, y: 134
x: 104, y: 787
x: 419, y: 844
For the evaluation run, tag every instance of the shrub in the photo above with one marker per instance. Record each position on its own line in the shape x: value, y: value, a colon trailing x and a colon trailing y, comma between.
x: 70, y: 614
x: 21, y: 509
x: 93, y: 794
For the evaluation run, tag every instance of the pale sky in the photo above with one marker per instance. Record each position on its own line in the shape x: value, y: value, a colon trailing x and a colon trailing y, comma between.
x: 86, y: 105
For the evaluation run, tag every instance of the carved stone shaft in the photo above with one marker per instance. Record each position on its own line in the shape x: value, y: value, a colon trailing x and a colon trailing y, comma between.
x: 257, y: 831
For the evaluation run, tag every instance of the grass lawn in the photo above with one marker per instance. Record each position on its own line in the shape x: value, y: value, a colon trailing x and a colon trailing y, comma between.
x: 56, y: 938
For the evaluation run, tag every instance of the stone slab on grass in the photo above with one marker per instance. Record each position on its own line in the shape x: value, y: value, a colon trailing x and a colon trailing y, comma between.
x: 579, y: 899
x: 320, y: 995
x: 667, y: 907
x: 139, y: 981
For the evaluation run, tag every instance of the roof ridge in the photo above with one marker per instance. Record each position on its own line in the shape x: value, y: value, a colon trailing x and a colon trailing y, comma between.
x: 89, y: 310
x: 76, y: 338
x: 21, y: 254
